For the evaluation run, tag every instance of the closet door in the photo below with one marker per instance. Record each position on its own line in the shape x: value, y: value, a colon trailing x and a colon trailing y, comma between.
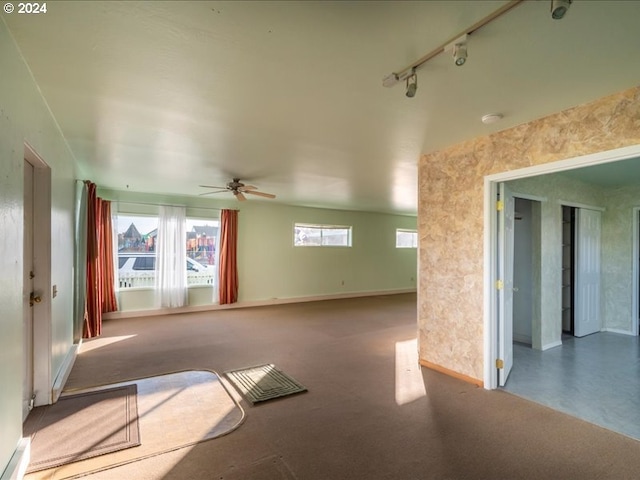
x: 587, y: 273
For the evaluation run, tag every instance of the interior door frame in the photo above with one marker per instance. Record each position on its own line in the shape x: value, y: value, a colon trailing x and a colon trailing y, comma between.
x: 42, y: 375
x: 491, y: 274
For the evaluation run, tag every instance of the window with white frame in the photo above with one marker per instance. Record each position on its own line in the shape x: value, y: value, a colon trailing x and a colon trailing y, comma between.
x: 406, y: 238
x: 312, y: 235
x: 137, y: 236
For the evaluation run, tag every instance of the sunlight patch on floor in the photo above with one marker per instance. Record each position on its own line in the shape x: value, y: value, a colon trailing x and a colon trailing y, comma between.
x: 95, y: 343
x: 409, y: 382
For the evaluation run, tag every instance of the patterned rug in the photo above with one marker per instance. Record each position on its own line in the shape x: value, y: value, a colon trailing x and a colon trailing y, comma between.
x: 263, y: 382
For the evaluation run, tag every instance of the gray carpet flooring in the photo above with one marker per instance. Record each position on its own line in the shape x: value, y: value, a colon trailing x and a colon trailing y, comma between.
x: 356, y: 421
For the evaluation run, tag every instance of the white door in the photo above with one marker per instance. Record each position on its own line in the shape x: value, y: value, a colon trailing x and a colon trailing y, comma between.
x: 587, y: 284
x: 505, y: 276
x: 27, y: 289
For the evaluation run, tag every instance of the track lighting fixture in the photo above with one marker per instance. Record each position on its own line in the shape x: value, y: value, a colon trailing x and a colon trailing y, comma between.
x: 457, y: 44
x: 559, y: 8
x: 460, y: 54
x: 412, y: 84
x: 459, y: 49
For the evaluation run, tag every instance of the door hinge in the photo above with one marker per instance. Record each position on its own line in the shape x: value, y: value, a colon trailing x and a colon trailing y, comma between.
x: 499, y: 284
x: 499, y: 205
x: 499, y: 363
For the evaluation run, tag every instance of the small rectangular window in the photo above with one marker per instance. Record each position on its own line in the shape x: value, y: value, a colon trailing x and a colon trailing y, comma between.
x: 309, y: 235
x: 406, y: 238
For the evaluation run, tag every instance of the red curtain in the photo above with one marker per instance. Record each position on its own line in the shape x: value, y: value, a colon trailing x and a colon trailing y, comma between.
x: 228, y: 269
x: 101, y: 296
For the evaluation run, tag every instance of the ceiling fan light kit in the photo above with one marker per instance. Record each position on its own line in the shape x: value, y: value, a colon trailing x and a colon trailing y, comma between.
x: 238, y: 189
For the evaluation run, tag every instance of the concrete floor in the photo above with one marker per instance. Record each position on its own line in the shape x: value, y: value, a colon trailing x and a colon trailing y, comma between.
x: 595, y: 378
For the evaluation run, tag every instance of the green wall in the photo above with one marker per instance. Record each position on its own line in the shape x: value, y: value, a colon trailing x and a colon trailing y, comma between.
x: 270, y: 267
x: 24, y: 117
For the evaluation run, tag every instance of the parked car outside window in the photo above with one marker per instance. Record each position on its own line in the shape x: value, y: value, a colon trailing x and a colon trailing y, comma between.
x: 139, y: 270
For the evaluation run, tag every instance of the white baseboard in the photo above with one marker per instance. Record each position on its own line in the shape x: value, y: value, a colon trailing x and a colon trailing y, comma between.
x: 19, y: 462
x: 252, y: 303
x: 551, y: 345
x: 617, y: 330
x: 65, y: 370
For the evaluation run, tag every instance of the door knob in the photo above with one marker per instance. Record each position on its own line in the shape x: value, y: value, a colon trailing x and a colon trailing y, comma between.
x: 33, y: 298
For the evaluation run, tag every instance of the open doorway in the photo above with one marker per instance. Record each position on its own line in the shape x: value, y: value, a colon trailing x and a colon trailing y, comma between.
x: 615, y: 212
x: 550, y: 298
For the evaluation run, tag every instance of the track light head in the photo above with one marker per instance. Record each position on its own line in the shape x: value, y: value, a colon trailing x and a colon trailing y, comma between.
x: 559, y: 8
x: 460, y: 54
x: 412, y: 84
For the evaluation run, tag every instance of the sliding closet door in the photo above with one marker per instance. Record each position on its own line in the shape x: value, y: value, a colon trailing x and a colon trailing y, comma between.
x: 587, y: 285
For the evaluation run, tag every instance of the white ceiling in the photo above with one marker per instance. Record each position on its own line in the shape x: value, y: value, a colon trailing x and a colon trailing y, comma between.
x: 164, y: 96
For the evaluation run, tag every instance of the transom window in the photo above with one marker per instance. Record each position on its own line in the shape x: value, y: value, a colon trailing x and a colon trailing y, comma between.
x: 311, y: 235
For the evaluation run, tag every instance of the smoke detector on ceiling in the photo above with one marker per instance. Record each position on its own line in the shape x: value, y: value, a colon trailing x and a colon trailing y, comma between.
x: 492, y: 118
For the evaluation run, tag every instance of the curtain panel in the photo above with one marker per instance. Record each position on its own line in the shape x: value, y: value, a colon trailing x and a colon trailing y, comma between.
x: 171, y: 257
x: 100, y: 297
x: 228, y: 271
x: 80, y: 260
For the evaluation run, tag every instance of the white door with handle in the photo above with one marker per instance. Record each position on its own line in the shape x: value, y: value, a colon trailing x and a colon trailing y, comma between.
x: 587, y: 277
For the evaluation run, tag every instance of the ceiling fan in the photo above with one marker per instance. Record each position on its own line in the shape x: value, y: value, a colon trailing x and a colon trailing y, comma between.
x: 238, y: 189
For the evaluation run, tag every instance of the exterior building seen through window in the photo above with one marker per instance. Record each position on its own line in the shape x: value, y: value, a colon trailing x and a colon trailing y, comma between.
x: 137, y: 237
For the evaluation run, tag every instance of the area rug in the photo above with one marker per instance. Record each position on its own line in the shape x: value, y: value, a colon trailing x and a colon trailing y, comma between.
x: 263, y: 382
x: 175, y: 411
x: 83, y: 426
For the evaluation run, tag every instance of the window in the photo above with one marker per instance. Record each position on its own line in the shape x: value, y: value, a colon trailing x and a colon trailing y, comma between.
x: 137, y: 235
x: 308, y: 235
x: 406, y: 238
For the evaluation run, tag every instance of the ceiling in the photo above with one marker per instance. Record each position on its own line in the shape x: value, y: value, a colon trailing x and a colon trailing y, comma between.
x: 164, y: 96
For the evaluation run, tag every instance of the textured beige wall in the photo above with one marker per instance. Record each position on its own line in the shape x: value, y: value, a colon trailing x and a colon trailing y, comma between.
x: 450, y: 216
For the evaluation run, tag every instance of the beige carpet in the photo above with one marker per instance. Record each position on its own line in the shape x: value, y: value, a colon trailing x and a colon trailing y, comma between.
x: 83, y: 426
x: 175, y: 410
x: 371, y: 412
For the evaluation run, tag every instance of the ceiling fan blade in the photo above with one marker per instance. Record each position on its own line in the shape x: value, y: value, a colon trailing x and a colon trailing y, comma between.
x: 210, y: 193
x: 240, y: 196
x: 213, y: 186
x: 244, y: 188
x: 261, y: 194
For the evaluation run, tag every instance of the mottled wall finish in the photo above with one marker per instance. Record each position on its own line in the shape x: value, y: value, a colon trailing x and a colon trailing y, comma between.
x: 450, y: 215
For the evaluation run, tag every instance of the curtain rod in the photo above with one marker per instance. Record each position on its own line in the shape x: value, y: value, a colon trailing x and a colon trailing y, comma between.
x: 164, y: 205
x: 160, y: 204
